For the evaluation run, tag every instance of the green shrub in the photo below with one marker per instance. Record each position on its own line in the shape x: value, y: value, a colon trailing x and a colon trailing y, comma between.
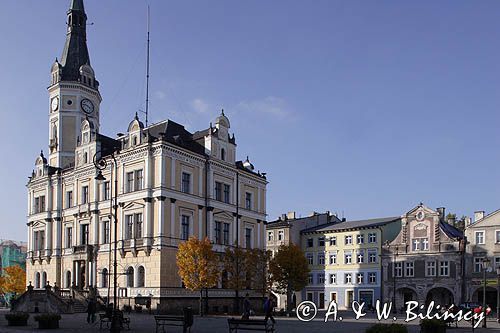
x: 48, y: 320
x: 17, y: 318
x: 387, y: 328
x: 432, y: 326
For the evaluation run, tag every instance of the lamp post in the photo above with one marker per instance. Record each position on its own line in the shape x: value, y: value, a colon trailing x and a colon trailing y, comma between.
x: 100, y: 164
x: 498, y: 294
x: 485, y: 263
x: 395, y: 254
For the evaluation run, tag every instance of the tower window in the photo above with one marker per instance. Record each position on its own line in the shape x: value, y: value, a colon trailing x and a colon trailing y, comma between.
x: 223, y: 154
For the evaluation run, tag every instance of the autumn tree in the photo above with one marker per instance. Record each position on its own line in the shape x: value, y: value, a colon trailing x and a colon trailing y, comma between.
x: 235, y: 266
x: 197, y: 263
x: 289, y: 271
x: 257, y: 265
x: 13, y: 282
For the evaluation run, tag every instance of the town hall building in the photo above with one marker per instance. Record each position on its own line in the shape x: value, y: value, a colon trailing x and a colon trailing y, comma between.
x: 171, y: 185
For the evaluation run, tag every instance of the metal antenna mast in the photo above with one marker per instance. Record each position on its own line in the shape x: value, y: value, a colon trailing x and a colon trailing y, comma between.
x: 147, y: 75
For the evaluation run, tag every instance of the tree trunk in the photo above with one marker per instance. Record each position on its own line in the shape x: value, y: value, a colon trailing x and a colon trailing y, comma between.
x: 289, y: 300
x: 201, y: 302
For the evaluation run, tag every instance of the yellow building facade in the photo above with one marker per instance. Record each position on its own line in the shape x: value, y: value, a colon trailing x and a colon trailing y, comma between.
x: 171, y: 185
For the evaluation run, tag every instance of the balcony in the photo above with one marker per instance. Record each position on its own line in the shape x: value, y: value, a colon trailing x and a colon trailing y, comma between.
x: 83, y: 249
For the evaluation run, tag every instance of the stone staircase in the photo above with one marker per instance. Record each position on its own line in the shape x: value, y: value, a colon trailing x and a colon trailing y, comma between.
x: 49, y: 300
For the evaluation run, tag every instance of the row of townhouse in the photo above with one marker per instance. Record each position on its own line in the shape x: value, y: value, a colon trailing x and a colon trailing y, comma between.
x: 419, y: 256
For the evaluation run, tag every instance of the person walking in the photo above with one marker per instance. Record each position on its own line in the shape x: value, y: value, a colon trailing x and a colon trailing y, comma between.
x: 91, y: 309
x: 246, y: 308
x: 269, y: 309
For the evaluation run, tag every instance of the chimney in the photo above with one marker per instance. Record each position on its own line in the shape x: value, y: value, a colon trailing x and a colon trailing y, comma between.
x: 290, y: 215
x: 283, y: 217
x: 451, y: 220
x: 478, y: 215
x: 441, y: 211
x: 467, y: 221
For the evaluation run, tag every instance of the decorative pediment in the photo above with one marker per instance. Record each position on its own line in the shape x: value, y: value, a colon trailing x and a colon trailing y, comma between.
x: 133, y: 205
x: 223, y: 216
x: 38, y: 224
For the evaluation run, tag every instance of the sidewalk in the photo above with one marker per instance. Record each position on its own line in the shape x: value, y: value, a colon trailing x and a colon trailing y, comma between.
x: 213, y: 324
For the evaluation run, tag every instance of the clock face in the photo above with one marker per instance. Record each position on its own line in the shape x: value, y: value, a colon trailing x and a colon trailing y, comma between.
x: 87, y: 105
x: 55, y: 104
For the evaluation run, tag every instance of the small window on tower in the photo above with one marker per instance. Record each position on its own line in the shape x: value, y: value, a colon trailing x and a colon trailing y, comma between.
x: 223, y: 154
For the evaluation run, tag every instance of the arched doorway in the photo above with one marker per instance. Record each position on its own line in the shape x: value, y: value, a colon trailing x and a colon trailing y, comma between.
x: 491, y: 296
x: 441, y: 296
x: 406, y: 295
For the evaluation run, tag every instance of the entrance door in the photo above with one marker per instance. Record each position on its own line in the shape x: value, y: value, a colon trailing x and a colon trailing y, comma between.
x: 321, y: 304
x: 366, y: 297
x: 350, y: 298
x: 333, y: 297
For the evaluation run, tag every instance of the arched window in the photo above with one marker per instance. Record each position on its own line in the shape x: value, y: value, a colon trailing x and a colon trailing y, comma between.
x: 130, y: 277
x: 44, y: 279
x: 67, y: 283
x: 37, y: 280
x: 104, y: 278
x: 140, y: 276
x: 223, y: 154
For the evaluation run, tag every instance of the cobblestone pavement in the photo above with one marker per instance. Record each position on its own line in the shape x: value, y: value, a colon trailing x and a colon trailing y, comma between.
x: 214, y: 324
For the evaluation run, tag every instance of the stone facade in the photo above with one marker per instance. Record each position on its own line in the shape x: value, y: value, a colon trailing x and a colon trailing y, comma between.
x: 170, y: 185
x: 285, y: 231
x: 483, y: 242
x: 425, y: 261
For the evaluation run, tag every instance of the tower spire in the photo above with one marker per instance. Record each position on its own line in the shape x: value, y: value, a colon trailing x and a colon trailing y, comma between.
x: 75, y: 53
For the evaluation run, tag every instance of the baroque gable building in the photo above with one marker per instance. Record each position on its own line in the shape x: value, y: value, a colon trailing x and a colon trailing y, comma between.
x: 425, y: 262
x: 171, y: 185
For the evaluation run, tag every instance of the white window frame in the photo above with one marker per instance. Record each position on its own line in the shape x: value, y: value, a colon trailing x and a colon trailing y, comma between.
x: 478, y: 261
x: 447, y: 266
x: 409, y: 269
x: 398, y: 269
x: 476, y: 233
x: 430, y: 265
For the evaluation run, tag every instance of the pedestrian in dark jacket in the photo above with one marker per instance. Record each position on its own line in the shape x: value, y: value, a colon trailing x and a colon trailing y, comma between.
x: 91, y: 309
x: 269, y: 309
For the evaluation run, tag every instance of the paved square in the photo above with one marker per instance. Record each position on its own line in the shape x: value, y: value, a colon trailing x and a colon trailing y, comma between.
x: 214, y: 324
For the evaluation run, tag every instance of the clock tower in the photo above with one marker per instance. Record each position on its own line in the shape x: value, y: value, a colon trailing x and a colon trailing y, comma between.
x: 73, y: 92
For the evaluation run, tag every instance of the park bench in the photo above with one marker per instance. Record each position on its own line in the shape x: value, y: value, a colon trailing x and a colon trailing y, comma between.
x: 106, y: 319
x: 185, y: 321
x: 250, y: 325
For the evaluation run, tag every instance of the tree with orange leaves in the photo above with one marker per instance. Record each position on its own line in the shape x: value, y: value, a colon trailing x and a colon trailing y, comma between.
x: 198, y: 265
x: 12, y: 282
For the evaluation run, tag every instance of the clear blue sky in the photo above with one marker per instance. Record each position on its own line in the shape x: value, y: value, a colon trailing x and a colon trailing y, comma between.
x: 361, y: 107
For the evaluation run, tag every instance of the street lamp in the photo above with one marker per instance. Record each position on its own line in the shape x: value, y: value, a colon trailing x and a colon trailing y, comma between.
x: 100, y: 164
x: 394, y: 257
x: 498, y: 294
x: 485, y: 264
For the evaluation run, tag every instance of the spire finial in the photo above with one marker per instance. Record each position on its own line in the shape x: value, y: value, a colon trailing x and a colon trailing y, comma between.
x: 77, y: 5
x: 41, y: 153
x: 136, y: 116
x: 222, y: 111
